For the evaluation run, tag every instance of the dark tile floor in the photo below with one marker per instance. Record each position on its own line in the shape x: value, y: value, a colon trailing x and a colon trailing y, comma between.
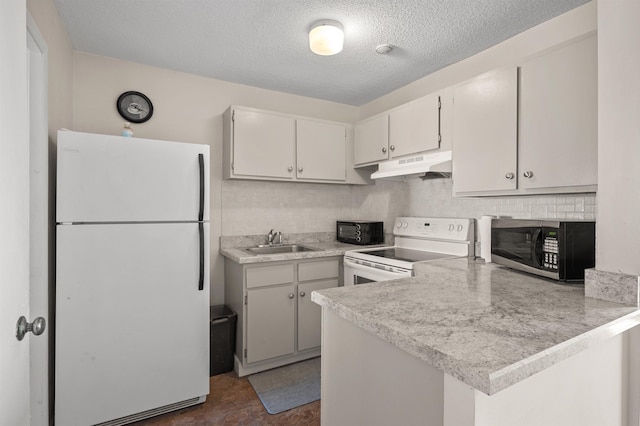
x: 233, y: 401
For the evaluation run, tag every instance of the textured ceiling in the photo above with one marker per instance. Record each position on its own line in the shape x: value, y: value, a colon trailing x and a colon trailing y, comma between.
x: 264, y: 43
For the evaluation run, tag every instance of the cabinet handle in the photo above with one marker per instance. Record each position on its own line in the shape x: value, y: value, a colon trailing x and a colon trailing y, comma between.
x: 300, y: 169
x: 302, y: 294
x: 289, y: 169
x: 509, y: 176
x: 528, y: 174
x: 392, y: 148
x: 291, y: 295
x: 384, y: 150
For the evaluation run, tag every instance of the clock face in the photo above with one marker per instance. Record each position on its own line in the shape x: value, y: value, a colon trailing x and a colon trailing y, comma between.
x: 134, y: 107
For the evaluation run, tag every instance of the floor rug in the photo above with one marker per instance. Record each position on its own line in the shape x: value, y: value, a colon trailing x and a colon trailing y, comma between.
x: 287, y: 387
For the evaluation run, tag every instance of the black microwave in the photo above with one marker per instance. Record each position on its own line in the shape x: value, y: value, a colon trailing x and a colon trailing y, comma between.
x: 556, y: 249
x: 361, y: 232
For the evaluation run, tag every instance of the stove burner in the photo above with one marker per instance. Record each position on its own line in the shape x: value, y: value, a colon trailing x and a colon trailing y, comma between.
x: 407, y: 255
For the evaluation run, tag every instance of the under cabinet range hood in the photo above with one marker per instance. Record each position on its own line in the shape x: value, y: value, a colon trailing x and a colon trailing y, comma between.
x: 425, y: 166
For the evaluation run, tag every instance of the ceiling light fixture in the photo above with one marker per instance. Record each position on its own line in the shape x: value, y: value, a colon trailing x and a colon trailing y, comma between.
x: 326, y: 37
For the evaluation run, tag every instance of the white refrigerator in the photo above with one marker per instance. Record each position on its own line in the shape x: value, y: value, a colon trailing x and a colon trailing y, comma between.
x: 132, y: 278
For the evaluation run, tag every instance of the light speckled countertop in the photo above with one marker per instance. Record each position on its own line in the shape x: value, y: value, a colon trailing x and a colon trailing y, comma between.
x: 322, y: 249
x: 484, y: 324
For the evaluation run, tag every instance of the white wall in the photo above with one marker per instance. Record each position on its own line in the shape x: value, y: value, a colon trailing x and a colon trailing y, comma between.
x: 618, y: 232
x: 60, y: 61
x: 575, y: 23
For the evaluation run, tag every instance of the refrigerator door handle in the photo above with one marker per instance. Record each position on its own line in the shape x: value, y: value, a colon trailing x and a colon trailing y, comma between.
x: 201, y: 275
x: 201, y: 209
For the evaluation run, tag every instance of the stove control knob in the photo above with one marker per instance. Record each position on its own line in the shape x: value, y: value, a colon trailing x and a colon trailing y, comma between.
x: 399, y: 225
x: 405, y: 224
x: 451, y: 227
x: 459, y: 228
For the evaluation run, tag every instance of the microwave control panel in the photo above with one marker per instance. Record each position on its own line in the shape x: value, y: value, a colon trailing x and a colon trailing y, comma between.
x: 550, y: 249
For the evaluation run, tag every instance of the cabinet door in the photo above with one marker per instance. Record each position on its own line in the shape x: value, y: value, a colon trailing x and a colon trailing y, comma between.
x: 310, y: 314
x: 321, y: 150
x: 270, y: 322
x: 415, y: 127
x: 485, y: 132
x: 559, y: 117
x: 263, y: 144
x: 371, y: 140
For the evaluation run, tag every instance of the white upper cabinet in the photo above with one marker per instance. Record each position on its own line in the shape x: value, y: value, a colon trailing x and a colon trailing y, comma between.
x: 558, y: 140
x: 371, y: 140
x: 415, y: 127
x: 321, y: 150
x: 531, y: 129
x: 263, y: 144
x: 408, y: 129
x: 485, y: 132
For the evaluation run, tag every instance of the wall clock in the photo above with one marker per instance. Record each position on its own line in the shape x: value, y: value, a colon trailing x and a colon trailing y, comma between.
x: 134, y: 107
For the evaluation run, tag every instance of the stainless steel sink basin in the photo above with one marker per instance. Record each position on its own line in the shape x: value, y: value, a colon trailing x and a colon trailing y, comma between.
x: 289, y: 248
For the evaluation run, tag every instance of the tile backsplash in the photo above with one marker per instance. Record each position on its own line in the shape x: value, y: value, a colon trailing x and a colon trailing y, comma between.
x: 433, y: 198
x: 255, y: 207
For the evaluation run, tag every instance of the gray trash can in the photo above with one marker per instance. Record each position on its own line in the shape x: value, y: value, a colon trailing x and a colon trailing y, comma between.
x: 222, y: 339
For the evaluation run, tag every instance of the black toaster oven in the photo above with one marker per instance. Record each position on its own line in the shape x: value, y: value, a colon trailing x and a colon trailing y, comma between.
x: 362, y: 232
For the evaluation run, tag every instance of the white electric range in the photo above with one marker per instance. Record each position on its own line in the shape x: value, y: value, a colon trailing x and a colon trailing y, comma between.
x: 417, y: 239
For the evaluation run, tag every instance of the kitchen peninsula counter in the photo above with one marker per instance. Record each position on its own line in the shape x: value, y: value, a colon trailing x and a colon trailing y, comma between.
x: 483, y: 325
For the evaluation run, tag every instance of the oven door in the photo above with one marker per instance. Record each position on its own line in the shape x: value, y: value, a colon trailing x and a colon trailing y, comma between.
x: 355, y: 274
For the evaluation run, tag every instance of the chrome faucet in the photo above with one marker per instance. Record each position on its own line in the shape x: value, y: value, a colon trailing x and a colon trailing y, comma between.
x: 274, y: 237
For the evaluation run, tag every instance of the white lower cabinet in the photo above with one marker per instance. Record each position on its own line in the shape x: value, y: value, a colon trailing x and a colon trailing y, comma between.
x: 270, y: 322
x: 277, y: 322
x: 310, y: 314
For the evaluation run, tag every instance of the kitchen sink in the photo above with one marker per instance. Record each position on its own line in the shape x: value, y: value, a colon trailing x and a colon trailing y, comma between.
x: 289, y: 248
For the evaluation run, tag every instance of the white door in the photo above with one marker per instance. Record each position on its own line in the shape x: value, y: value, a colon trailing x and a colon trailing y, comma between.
x: 39, y: 222
x: 14, y: 215
x: 104, y: 178
x: 132, y: 329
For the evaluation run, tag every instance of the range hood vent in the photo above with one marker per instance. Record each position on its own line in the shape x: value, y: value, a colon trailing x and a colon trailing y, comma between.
x: 425, y: 166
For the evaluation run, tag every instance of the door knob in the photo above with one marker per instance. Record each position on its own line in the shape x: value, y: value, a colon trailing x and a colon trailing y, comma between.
x: 302, y: 294
x: 37, y: 327
x: 384, y: 150
x: 289, y: 169
x: 509, y: 176
x: 300, y: 169
x: 291, y: 295
x: 392, y: 148
x: 528, y: 174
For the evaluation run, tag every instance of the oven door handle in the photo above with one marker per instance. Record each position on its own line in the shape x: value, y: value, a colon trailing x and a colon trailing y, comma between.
x: 363, y: 268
